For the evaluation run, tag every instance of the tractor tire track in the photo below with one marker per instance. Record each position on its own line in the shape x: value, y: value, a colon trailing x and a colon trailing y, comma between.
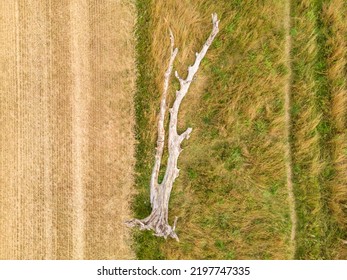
x: 288, y: 125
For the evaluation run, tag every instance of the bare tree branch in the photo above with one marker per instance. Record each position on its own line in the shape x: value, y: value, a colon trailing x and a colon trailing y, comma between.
x: 160, y: 193
x: 161, y: 129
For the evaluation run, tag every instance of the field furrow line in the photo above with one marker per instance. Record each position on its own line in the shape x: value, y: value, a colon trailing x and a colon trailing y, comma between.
x: 288, y: 125
x: 9, y: 208
x: 48, y: 233
x: 80, y: 71
x: 17, y: 237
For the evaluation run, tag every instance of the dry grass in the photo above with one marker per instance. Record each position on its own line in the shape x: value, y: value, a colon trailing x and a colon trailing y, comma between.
x: 318, y: 99
x: 334, y: 17
x: 66, y: 118
x: 307, y: 164
x: 231, y: 195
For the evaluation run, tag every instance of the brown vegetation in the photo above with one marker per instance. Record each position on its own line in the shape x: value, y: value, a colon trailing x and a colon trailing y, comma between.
x: 334, y: 17
x: 267, y: 108
x: 231, y: 197
x: 319, y: 111
x: 67, y: 142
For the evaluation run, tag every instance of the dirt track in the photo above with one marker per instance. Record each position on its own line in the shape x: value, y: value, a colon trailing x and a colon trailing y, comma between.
x: 66, y: 116
x: 288, y: 122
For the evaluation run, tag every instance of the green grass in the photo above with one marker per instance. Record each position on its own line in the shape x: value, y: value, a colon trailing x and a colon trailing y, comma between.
x: 231, y: 193
x: 146, y: 245
x: 231, y: 196
x: 333, y: 17
x: 318, y: 233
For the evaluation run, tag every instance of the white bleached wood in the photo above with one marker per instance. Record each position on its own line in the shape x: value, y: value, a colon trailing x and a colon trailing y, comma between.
x: 161, y: 129
x: 160, y: 192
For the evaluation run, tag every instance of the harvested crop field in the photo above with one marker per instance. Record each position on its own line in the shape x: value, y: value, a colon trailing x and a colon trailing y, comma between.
x: 67, y: 142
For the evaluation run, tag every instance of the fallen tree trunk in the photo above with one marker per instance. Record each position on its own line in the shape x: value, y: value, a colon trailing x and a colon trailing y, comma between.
x: 160, y: 192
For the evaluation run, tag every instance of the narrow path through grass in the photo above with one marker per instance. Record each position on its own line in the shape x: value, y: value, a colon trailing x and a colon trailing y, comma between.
x: 288, y: 121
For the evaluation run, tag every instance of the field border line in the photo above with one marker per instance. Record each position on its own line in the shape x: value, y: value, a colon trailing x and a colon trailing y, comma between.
x: 288, y: 126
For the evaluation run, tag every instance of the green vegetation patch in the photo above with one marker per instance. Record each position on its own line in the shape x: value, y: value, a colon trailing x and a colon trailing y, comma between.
x: 231, y: 196
x: 313, y: 130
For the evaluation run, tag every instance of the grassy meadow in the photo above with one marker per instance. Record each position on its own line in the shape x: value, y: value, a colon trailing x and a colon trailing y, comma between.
x: 231, y: 196
x: 319, y: 128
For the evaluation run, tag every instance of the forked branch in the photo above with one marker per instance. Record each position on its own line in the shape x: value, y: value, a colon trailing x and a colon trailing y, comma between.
x: 160, y: 192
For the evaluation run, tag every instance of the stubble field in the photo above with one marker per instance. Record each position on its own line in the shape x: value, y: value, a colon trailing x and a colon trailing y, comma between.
x: 67, y: 139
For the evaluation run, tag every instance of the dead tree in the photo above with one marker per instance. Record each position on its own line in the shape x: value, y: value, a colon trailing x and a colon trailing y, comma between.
x: 160, y: 192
